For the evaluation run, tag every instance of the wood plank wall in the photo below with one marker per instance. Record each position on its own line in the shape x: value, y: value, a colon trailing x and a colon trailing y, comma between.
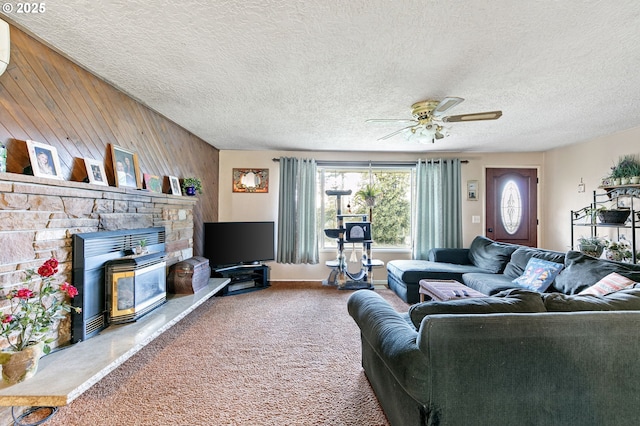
x: 47, y: 98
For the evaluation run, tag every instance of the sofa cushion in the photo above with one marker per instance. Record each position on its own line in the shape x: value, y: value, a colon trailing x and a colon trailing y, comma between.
x: 539, y: 274
x: 412, y: 271
x: 521, y: 256
x: 488, y: 284
x: 490, y: 255
x: 582, y: 271
x: 514, y: 300
x: 609, y: 284
x: 624, y: 300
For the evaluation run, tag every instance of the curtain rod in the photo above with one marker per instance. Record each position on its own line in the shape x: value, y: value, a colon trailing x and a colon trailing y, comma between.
x: 367, y: 163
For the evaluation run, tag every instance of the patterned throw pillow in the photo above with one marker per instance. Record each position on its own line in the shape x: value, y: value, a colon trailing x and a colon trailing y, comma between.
x: 539, y: 274
x: 609, y: 284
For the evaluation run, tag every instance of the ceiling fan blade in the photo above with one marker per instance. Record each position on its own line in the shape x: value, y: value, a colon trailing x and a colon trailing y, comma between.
x: 489, y: 115
x: 445, y: 104
x: 391, y: 120
x: 395, y: 133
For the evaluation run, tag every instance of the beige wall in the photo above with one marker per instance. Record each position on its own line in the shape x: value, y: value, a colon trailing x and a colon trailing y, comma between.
x: 565, y: 167
x: 256, y: 207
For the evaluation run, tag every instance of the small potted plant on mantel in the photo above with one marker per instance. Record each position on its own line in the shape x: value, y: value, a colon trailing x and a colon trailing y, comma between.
x: 192, y: 184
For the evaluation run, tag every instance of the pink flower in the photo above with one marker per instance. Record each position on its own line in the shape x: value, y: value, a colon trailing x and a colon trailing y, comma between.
x: 24, y: 293
x: 48, y: 268
x: 69, y: 289
x: 7, y: 319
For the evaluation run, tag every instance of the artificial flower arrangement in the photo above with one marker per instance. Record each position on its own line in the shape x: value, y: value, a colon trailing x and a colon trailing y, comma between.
x: 33, y: 313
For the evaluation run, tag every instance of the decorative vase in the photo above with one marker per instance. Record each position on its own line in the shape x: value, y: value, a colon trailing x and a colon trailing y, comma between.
x: 616, y: 181
x: 625, y: 181
x: 18, y: 366
x: 635, y: 180
x: 190, y: 190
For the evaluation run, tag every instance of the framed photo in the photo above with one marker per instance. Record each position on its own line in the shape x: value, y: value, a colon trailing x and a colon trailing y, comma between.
x: 125, y: 168
x: 472, y: 190
x: 152, y: 182
x: 174, y: 185
x: 250, y: 180
x: 95, y: 172
x: 44, y: 160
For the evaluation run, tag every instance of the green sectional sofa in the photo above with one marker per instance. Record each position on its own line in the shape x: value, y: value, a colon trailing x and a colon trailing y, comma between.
x: 571, y: 362
x: 515, y: 357
x: 490, y: 267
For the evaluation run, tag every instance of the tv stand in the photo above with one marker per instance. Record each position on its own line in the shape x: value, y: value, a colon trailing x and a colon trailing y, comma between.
x: 243, y: 278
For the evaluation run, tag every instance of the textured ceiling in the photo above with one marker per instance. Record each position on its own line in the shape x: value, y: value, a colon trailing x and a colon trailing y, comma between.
x: 305, y: 75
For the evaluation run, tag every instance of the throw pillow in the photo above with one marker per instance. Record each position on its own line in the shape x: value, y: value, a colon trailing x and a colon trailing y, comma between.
x: 539, y: 274
x: 609, y: 284
x: 490, y: 255
x: 520, y: 257
x: 514, y: 300
x: 627, y: 299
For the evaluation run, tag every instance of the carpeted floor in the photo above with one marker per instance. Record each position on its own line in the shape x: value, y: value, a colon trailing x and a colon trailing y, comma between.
x: 286, y: 355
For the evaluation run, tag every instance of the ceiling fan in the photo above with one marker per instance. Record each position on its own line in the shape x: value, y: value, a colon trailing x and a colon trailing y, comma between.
x: 428, y: 115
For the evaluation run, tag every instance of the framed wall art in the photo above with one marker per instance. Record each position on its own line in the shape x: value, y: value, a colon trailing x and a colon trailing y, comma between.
x: 152, y: 183
x: 472, y: 190
x: 174, y: 186
x: 251, y: 180
x: 125, y: 168
x: 95, y: 172
x: 44, y: 160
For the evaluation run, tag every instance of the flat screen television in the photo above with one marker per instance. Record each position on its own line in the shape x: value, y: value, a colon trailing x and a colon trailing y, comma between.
x: 238, y: 243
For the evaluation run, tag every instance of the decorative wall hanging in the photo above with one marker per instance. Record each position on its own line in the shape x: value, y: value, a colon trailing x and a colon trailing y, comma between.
x: 125, y: 167
x: 95, y: 172
x: 44, y: 160
x: 251, y: 180
x: 472, y: 190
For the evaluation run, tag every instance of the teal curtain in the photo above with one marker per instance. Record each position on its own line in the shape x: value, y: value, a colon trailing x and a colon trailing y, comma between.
x: 297, y: 236
x: 438, y: 214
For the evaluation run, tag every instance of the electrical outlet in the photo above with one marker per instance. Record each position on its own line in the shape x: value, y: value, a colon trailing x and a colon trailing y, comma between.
x: 475, y: 219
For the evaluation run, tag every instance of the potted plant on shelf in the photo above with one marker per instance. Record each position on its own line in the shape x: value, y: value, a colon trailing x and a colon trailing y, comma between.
x: 627, y: 167
x: 29, y: 319
x: 619, y: 251
x: 192, y: 184
x: 592, y: 246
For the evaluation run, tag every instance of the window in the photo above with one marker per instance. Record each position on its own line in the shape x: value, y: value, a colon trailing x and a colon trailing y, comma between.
x: 391, y: 224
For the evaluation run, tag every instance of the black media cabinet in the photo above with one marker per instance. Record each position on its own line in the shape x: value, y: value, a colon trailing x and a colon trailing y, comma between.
x: 243, y: 278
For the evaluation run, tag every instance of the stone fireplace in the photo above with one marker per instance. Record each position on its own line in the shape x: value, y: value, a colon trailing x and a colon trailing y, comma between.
x: 39, y: 216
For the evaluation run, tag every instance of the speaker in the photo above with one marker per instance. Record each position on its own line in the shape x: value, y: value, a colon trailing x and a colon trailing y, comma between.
x: 5, y: 46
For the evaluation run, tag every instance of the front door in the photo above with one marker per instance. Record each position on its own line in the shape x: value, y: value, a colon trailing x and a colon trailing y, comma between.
x: 512, y: 205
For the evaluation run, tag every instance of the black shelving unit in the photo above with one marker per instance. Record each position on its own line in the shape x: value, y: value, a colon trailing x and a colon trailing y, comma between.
x: 612, y: 197
x: 244, y: 278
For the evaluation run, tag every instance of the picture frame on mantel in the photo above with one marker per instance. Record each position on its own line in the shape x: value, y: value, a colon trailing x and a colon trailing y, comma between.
x: 126, y: 170
x: 174, y: 185
x: 95, y: 172
x: 251, y: 180
x: 44, y: 160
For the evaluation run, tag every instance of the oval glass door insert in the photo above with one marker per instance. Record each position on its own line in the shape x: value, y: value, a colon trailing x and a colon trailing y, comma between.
x: 511, y: 207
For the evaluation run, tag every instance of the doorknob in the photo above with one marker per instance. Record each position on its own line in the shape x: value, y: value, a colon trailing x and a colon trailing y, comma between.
x: 489, y: 229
